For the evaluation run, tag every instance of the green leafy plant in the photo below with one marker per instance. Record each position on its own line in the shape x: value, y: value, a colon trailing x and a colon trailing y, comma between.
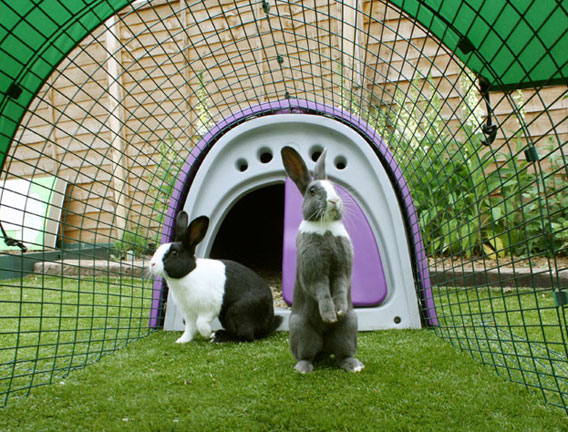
x: 204, y: 117
x: 544, y: 213
x: 447, y: 176
x: 134, y: 242
x: 162, y: 181
x: 142, y: 240
x: 472, y: 200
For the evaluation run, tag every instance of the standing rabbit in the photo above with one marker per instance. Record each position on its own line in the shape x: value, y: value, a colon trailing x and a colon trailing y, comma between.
x: 322, y: 321
x: 205, y: 289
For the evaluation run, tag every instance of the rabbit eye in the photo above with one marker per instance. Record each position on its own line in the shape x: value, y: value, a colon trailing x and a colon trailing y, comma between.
x: 313, y: 190
x: 174, y: 253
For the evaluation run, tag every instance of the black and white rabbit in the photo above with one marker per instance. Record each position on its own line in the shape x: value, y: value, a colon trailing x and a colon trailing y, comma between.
x: 322, y: 321
x: 205, y: 289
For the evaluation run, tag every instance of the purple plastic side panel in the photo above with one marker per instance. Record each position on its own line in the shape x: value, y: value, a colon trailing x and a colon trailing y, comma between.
x: 301, y: 106
x: 368, y: 284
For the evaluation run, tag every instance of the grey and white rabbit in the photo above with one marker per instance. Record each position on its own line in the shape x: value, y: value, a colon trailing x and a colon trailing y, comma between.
x: 322, y: 321
x: 205, y: 289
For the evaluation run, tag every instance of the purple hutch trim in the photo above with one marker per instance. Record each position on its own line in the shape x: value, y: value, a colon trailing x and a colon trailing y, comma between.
x: 304, y: 106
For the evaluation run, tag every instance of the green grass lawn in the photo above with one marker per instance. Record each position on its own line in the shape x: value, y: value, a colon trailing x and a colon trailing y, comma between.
x: 413, y: 381
x: 518, y: 331
x: 51, y: 325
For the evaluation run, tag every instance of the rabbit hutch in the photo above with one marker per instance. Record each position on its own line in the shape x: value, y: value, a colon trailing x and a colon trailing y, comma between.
x: 244, y: 165
x: 446, y: 126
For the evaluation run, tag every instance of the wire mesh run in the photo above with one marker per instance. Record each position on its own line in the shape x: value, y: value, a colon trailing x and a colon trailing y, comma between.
x: 104, y: 138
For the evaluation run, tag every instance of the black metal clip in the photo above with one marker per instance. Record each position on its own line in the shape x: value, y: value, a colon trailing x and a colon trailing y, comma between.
x: 14, y: 91
x: 560, y: 298
x: 12, y: 242
x: 531, y: 154
x: 489, y: 129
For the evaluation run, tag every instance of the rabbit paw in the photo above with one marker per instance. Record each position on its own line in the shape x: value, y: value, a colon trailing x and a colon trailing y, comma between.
x: 341, y: 305
x: 341, y: 310
x: 327, y: 312
x: 351, y: 364
x: 304, y: 366
x: 329, y: 317
x: 184, y: 338
x: 204, y: 328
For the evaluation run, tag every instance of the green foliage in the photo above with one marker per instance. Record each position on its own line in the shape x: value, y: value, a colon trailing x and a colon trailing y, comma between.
x: 136, y: 242
x: 204, y: 117
x: 472, y: 200
x: 142, y: 240
x: 162, y: 180
x: 347, y: 92
x: 532, y: 211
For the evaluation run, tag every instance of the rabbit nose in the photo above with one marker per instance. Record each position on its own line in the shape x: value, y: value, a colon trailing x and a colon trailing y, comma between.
x: 332, y: 202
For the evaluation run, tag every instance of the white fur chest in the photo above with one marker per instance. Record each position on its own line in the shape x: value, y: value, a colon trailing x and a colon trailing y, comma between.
x: 335, y: 228
x: 201, y: 291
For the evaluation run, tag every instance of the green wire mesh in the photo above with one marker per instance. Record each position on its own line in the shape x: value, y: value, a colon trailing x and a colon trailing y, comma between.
x: 118, y: 117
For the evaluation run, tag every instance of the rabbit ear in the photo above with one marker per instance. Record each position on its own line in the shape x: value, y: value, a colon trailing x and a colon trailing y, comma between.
x: 196, y: 232
x: 296, y: 168
x: 319, y: 169
x: 181, y: 226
